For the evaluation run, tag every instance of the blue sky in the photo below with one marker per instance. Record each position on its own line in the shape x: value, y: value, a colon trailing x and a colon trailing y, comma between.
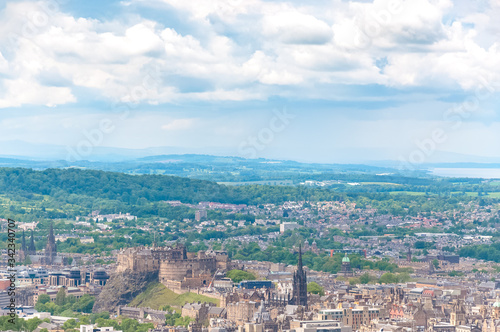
x: 323, y: 81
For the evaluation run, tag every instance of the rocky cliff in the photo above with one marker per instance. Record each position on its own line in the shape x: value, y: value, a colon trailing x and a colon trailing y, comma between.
x: 122, y: 288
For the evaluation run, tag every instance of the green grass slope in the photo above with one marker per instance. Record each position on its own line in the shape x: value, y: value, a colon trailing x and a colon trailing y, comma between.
x: 157, y: 296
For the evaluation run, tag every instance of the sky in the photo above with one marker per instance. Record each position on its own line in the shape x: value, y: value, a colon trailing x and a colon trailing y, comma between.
x: 316, y: 81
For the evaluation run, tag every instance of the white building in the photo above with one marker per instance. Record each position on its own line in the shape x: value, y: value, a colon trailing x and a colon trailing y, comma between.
x: 285, y: 226
x: 91, y: 328
x: 27, y: 225
x: 323, y: 326
x: 86, y: 239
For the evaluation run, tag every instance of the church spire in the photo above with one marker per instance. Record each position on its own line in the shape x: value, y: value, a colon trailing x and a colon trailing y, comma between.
x: 23, y: 242
x: 51, y: 238
x: 300, y: 283
x: 299, y: 265
x: 50, y: 248
x: 32, y: 248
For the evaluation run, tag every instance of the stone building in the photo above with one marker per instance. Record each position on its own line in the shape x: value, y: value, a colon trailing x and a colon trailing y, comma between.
x: 457, y: 315
x: 241, y: 312
x: 260, y: 322
x: 354, y: 317
x: 177, y: 269
x: 138, y: 259
x: 197, y: 311
x: 49, y: 257
x: 345, y: 269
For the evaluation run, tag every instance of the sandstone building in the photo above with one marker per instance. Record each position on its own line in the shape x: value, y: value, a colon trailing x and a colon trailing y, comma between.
x: 177, y: 269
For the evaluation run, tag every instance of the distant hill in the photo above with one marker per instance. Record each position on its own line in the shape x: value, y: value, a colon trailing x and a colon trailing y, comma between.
x: 206, y: 167
x: 28, y: 194
x: 109, y: 185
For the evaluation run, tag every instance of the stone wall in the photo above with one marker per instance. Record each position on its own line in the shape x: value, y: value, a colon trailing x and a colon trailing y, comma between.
x: 136, y: 259
x: 180, y: 270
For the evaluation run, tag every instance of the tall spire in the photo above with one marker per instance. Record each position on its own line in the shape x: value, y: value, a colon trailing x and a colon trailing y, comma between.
x: 51, y: 239
x: 50, y: 248
x: 299, y: 265
x: 32, y: 248
x: 23, y: 242
x: 300, y: 283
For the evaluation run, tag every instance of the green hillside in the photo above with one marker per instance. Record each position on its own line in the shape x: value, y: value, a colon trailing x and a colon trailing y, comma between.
x: 28, y: 195
x: 157, y: 296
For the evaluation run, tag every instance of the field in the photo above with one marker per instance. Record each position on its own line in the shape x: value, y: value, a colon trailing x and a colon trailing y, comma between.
x: 380, y: 183
x: 411, y: 193
x: 266, y: 182
x: 468, y: 193
x: 489, y: 195
x: 157, y: 296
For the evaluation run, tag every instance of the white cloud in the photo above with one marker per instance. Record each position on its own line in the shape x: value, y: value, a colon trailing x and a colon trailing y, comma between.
x: 4, y: 65
x: 21, y: 92
x: 296, y: 28
x: 274, y: 44
x: 267, y: 70
x: 225, y: 9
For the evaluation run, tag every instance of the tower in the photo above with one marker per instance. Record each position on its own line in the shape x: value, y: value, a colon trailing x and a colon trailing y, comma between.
x: 457, y: 315
x: 300, y: 283
x: 431, y: 268
x: 50, y: 248
x: 408, y: 255
x: 32, y: 248
x: 22, y: 252
x: 496, y: 309
x: 314, y: 247
x: 23, y: 242
x: 346, y: 269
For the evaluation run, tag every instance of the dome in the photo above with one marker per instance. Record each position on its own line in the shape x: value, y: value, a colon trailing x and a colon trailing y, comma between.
x: 346, y: 260
x: 496, y: 304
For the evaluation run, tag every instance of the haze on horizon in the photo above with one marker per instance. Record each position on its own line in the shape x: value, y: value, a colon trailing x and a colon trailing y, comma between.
x: 334, y: 81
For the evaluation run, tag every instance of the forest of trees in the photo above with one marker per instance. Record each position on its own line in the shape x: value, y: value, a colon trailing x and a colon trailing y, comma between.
x: 488, y: 252
x: 65, y: 193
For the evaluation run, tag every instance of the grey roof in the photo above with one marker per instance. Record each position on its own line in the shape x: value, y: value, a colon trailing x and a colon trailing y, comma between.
x: 216, y: 311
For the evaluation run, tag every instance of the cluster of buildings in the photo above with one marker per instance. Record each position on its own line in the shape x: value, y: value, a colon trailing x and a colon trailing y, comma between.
x: 431, y: 305
x: 48, y: 257
x: 435, y: 300
x: 46, y: 273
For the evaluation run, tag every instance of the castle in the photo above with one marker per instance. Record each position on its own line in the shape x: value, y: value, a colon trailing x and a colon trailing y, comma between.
x: 182, y: 271
x: 177, y: 269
